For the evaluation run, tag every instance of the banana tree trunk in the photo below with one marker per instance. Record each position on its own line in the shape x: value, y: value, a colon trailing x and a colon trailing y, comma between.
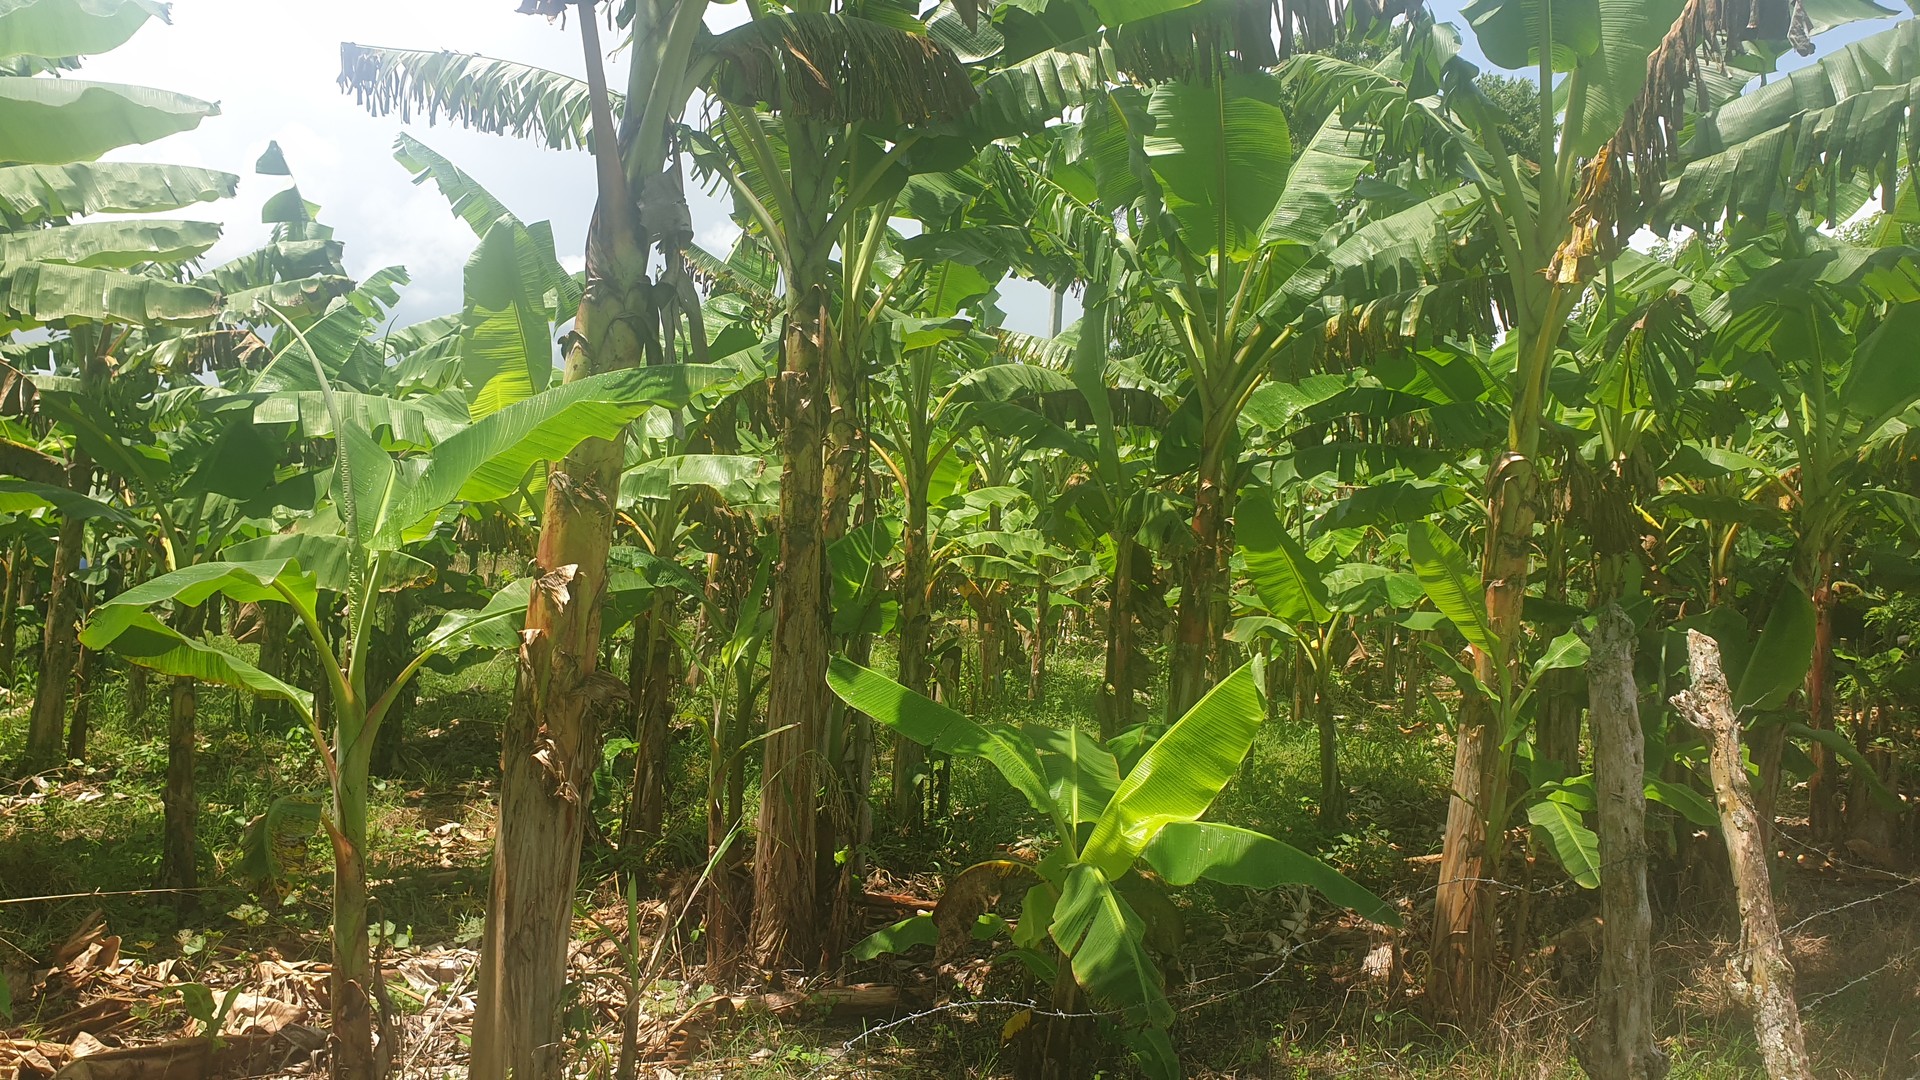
x: 844, y: 819
x: 784, y: 934
x: 276, y: 652
x: 1823, y: 789
x: 916, y: 631
x: 1557, y: 731
x: 1058, y: 1045
x: 180, y: 811
x: 1759, y: 975
x: 85, y: 674
x: 177, y: 799
x: 1869, y: 821
x: 1202, y: 593
x: 551, y: 744
x: 139, y: 693
x: 1333, y: 791
x: 1118, y: 680
x: 59, y: 640
x: 987, y: 631
x: 18, y: 573
x: 1463, y: 983
x: 350, y: 985
x: 1622, y: 1045
x: 846, y: 813
x: 728, y: 906
x: 1037, y: 671
x: 649, y: 690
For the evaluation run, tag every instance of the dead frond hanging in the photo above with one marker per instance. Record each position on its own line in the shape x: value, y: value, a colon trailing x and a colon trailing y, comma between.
x: 498, y: 97
x: 841, y: 70
x: 1623, y: 180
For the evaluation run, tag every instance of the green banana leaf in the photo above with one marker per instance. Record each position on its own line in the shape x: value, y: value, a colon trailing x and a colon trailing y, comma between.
x: 1221, y: 151
x: 135, y: 634
x: 1575, y: 845
x: 735, y: 478
x: 41, y: 292
x: 1081, y: 775
x: 36, y: 193
x: 112, y: 245
x: 897, y: 938
x: 25, y: 496
x: 507, y: 345
x: 1187, y: 851
x: 937, y: 727
x: 1179, y: 776
x: 1781, y: 656
x: 246, y: 582
x: 489, y: 460
x: 1452, y: 584
x: 1106, y: 942
x: 56, y: 121
x: 56, y: 28
x: 1290, y: 584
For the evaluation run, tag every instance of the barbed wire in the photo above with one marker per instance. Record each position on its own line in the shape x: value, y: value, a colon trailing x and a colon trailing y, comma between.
x: 1041, y: 1011
x: 1810, y: 1003
x: 1185, y: 1000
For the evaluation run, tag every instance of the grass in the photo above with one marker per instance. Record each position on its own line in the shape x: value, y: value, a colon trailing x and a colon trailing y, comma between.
x: 1266, y: 983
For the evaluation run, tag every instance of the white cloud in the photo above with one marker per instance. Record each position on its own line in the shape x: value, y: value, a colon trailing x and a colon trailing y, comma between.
x: 271, y: 65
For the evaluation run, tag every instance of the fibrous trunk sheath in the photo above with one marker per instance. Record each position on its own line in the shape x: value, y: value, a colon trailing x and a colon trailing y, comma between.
x: 350, y: 984
x: 1462, y: 984
x: 650, y: 689
x: 177, y: 800
x: 551, y: 744
x: 59, y: 639
x: 915, y: 633
x: 785, y: 919
x: 1198, y: 625
x: 1117, y: 681
x: 1823, y: 787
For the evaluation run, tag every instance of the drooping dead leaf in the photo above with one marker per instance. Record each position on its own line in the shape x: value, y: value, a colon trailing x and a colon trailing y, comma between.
x: 254, y: 1014
x: 99, y: 955
x: 970, y: 894
x: 1166, y: 929
x: 554, y: 583
x: 181, y: 1059
x: 91, y: 930
x: 30, y: 1059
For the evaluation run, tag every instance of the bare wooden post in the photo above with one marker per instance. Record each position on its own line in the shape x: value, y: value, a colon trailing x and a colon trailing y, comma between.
x: 1762, y: 980
x: 1622, y: 1046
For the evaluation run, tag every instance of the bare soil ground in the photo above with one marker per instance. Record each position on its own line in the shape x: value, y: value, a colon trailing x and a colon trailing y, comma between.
x: 1270, y: 986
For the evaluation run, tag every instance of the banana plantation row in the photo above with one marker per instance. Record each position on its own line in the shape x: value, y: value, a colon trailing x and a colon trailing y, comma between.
x: 1387, y: 372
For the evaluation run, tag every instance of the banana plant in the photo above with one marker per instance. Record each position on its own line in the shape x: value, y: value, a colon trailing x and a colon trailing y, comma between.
x: 1088, y: 909
x: 51, y: 267
x: 1831, y: 337
x: 1455, y: 589
x: 657, y: 499
x: 353, y: 549
x: 89, y: 280
x: 1295, y: 602
x: 627, y: 316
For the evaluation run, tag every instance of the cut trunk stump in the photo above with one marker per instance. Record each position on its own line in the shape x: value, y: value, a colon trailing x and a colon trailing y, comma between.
x: 1760, y: 977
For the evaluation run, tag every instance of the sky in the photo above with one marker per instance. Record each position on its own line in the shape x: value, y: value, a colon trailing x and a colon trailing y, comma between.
x: 271, y: 66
